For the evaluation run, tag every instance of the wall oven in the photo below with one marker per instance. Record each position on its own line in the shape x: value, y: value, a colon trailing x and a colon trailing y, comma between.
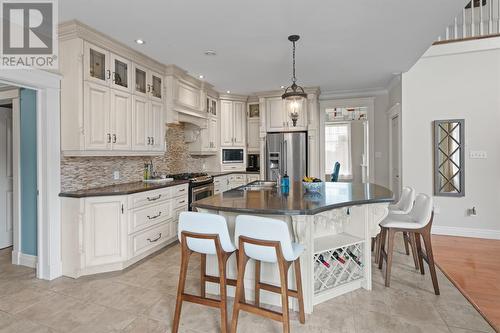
x: 232, y: 155
x: 201, y: 192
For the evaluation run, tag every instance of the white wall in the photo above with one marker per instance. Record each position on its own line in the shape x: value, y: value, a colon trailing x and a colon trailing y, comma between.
x: 456, y: 81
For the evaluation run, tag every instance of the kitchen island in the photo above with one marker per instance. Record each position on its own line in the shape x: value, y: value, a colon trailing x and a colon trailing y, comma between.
x: 335, y: 225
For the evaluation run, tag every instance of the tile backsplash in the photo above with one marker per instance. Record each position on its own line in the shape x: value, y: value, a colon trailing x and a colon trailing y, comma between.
x: 86, y: 172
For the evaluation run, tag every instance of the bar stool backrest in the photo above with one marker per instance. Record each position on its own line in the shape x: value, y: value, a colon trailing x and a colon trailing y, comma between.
x: 422, y: 210
x: 209, y: 224
x: 261, y: 228
x: 405, y: 203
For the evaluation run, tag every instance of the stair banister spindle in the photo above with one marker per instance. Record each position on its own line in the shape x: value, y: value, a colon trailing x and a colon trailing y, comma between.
x: 455, y: 28
x: 464, y: 27
x: 481, y: 26
x: 472, y: 19
x: 490, y: 18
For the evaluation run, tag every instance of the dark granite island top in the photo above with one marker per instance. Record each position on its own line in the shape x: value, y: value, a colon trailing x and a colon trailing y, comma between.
x: 120, y: 189
x: 296, y: 201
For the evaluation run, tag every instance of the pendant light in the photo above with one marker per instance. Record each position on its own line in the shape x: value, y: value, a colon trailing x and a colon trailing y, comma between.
x: 294, y: 94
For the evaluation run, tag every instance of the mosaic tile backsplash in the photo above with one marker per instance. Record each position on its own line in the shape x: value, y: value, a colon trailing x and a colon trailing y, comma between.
x: 86, y: 172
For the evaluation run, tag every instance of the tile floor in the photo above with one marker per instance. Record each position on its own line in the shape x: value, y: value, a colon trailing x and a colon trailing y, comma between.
x: 142, y: 298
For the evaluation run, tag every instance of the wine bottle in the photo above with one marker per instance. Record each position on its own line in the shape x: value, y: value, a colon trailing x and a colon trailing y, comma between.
x: 354, y: 257
x: 322, y: 260
x: 338, y: 257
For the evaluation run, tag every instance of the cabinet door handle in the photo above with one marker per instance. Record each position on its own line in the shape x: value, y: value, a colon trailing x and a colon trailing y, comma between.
x: 154, y: 216
x: 149, y: 88
x: 152, y: 140
x: 122, y: 208
x: 155, y: 240
x: 109, y: 138
x: 108, y: 74
x: 149, y: 140
x: 154, y: 198
x: 182, y: 189
x: 114, y: 138
x: 183, y: 201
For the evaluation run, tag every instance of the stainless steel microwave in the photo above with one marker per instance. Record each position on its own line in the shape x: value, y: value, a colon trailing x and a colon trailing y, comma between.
x: 232, y: 156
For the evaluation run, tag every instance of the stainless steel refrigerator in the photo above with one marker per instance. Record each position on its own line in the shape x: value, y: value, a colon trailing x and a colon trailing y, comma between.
x: 286, y: 153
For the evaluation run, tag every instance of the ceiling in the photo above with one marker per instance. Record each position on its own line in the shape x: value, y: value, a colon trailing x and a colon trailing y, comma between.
x: 344, y: 45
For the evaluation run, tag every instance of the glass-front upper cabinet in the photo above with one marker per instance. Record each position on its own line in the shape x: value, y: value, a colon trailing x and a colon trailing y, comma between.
x: 140, y: 80
x: 155, y: 88
x: 211, y: 106
x: 96, y: 64
x: 120, y: 75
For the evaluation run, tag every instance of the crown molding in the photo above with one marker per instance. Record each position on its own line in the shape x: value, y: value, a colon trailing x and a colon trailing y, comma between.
x: 338, y: 94
x: 234, y: 97
x: 276, y: 93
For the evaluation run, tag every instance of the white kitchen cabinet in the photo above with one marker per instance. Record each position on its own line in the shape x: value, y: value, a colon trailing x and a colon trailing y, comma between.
x: 237, y: 180
x: 253, y: 129
x: 148, y: 126
x: 233, y: 124
x: 100, y: 114
x: 188, y: 95
x: 156, y: 126
x: 104, y: 231
x: 252, y: 177
x: 109, y: 233
x: 206, y: 143
x: 278, y: 116
x: 121, y: 120
x: 96, y: 115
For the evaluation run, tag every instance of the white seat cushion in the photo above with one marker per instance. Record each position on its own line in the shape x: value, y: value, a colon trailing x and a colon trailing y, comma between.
x: 404, y: 221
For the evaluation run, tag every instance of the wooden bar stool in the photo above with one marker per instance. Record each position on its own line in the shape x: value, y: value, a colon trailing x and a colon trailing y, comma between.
x: 268, y: 240
x: 417, y: 223
x: 205, y: 234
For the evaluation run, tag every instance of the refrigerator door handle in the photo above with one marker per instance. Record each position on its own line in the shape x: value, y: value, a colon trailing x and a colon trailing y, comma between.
x: 285, y: 153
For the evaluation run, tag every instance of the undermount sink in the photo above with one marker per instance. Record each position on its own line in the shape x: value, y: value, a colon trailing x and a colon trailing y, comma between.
x: 157, y: 180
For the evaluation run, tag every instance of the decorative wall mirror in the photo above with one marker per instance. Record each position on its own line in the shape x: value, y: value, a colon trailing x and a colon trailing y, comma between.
x: 449, y: 166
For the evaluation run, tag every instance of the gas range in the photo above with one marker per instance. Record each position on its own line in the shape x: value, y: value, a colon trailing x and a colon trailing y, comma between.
x: 195, y: 178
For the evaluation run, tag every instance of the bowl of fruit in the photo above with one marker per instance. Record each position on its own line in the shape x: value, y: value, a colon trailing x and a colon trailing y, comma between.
x: 312, y: 184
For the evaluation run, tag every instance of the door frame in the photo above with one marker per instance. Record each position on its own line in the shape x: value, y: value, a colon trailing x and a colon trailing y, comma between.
x: 47, y: 86
x: 12, y: 95
x: 369, y: 103
x: 393, y: 112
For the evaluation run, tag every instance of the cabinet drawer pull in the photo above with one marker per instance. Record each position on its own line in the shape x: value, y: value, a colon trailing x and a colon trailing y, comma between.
x: 154, y: 216
x: 182, y: 190
x: 154, y: 198
x: 155, y: 240
x: 183, y: 201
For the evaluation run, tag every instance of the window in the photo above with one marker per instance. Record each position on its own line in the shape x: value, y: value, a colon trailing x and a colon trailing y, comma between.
x: 338, y: 148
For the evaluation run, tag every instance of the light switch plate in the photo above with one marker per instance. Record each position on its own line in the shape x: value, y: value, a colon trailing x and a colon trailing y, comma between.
x: 478, y: 154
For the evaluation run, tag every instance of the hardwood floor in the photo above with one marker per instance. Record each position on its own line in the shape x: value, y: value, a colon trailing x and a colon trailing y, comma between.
x: 473, y: 265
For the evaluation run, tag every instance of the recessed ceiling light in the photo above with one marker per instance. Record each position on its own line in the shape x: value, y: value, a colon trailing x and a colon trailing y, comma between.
x: 210, y: 52
x: 140, y: 41
x: 282, y: 87
x: 228, y: 91
x: 201, y: 77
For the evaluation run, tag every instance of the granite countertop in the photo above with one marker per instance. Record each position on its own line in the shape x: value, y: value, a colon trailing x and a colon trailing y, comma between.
x: 225, y: 173
x: 120, y: 189
x: 296, y: 201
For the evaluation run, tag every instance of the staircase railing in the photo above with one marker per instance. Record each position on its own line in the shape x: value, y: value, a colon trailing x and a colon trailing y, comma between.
x: 479, y: 19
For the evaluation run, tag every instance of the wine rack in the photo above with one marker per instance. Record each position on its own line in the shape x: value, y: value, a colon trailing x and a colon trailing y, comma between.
x: 335, y: 267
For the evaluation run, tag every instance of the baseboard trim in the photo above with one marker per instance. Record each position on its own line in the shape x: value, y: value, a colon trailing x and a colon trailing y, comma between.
x: 466, y: 232
x: 23, y: 259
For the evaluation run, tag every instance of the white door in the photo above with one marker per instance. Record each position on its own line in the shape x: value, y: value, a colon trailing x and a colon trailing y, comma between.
x: 140, y: 124
x: 395, y: 149
x: 6, y: 178
x: 274, y: 114
x: 96, y: 117
x: 156, y: 126
x: 239, y: 124
x: 121, y: 116
x: 105, y: 230
x: 226, y: 123
x: 253, y: 135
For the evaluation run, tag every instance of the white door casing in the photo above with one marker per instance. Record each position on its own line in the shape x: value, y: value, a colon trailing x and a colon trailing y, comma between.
x: 6, y: 178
